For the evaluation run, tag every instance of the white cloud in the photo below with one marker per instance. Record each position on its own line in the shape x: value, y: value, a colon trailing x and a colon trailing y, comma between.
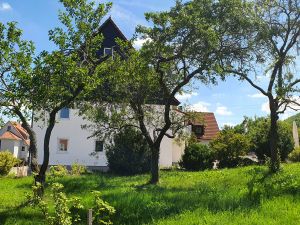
x: 288, y: 112
x: 126, y: 16
x: 138, y: 43
x: 4, y: 6
x: 223, y: 111
x: 257, y: 95
x: 186, y: 96
x: 265, y: 107
x: 200, y: 107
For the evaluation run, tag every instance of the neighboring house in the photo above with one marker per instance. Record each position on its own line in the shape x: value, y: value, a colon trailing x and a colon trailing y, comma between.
x: 70, y: 144
x: 205, y: 128
x: 14, y: 138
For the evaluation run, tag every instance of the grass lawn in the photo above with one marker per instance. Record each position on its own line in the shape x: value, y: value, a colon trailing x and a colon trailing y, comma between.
x: 232, y: 196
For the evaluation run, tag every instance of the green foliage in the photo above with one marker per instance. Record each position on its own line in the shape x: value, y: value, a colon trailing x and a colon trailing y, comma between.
x: 258, y: 131
x: 294, y: 156
x: 77, y: 169
x: 129, y: 153
x: 7, y: 161
x: 65, y: 209
x: 197, y: 157
x: 102, y: 211
x: 293, y: 118
x: 58, y: 171
x: 206, y: 197
x: 228, y: 146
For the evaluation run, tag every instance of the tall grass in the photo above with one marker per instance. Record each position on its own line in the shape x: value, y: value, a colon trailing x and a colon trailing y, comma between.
x: 232, y: 196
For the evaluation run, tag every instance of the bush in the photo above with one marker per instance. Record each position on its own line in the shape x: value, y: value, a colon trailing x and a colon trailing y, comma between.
x: 129, y: 154
x: 197, y: 157
x: 294, y: 156
x: 78, y: 169
x: 7, y: 161
x: 58, y: 171
x: 228, y: 146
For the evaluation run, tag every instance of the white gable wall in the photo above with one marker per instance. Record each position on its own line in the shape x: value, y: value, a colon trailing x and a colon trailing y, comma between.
x: 80, y: 147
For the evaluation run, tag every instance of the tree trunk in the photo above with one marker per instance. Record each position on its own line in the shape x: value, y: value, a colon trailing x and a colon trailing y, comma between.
x: 32, y: 137
x: 33, y: 152
x: 41, y: 177
x: 275, y: 159
x: 154, y: 165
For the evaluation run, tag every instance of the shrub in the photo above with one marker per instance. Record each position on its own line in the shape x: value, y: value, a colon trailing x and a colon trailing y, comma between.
x: 67, y: 210
x: 102, y: 211
x: 228, y: 146
x: 78, y: 169
x: 197, y: 157
x: 129, y: 154
x: 294, y: 156
x: 58, y: 171
x: 7, y: 161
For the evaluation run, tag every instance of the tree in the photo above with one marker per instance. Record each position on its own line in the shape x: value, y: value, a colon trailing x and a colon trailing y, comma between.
x: 182, y: 46
x: 129, y: 153
x: 16, y: 57
x: 228, y: 146
x: 271, y: 50
x: 257, y: 130
x: 66, y: 74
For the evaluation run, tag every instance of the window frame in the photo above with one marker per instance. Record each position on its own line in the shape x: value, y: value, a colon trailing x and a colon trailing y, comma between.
x: 111, y: 49
x: 59, y: 145
x: 60, y: 113
x: 198, y: 134
x: 102, y: 142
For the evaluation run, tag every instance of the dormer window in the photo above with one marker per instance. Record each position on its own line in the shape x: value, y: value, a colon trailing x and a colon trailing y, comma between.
x: 8, y: 128
x: 65, y: 113
x: 108, y: 51
x: 198, y: 130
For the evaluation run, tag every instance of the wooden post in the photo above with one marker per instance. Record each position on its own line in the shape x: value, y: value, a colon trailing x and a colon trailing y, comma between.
x: 90, y: 217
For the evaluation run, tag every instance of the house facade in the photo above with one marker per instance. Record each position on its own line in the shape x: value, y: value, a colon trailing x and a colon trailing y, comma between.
x: 15, y: 139
x: 70, y: 144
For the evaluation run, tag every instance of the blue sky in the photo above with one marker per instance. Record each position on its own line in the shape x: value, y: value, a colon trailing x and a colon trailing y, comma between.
x: 230, y: 100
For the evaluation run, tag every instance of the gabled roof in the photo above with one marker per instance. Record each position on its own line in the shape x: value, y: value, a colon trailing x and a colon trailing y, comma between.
x: 20, y: 129
x: 211, y: 128
x: 20, y: 134
x: 111, y: 26
x: 9, y: 136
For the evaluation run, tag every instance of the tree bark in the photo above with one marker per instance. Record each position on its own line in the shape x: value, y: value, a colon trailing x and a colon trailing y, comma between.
x: 275, y: 159
x: 41, y: 177
x: 154, y: 165
x: 32, y: 137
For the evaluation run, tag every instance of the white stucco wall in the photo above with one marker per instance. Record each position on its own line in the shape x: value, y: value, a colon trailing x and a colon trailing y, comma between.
x: 8, y: 145
x: 80, y: 147
x: 14, y: 146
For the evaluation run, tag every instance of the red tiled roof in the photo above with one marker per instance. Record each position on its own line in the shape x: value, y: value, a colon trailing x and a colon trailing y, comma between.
x: 21, y: 130
x: 9, y: 136
x: 21, y: 133
x: 211, y: 128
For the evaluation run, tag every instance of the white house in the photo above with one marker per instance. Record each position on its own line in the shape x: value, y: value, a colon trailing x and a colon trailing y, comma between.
x: 14, y: 138
x: 69, y: 143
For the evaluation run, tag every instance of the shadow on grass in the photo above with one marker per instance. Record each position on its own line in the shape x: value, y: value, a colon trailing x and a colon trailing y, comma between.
x: 138, y: 203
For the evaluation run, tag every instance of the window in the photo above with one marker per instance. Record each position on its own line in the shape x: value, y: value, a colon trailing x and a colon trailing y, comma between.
x: 0, y: 143
x: 63, y: 145
x: 65, y: 113
x: 108, y: 51
x: 23, y: 149
x: 8, y: 128
x: 198, y: 130
x: 99, y: 146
